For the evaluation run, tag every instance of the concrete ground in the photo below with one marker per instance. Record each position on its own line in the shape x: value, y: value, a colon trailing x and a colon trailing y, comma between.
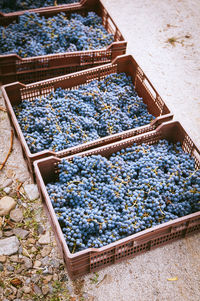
x: 174, y: 70
x: 163, y: 37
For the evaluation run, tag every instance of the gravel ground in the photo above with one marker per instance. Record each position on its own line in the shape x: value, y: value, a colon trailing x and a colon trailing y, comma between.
x: 163, y: 36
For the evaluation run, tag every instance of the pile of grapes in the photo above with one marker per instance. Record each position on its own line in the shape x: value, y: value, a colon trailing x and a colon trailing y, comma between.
x: 99, y: 201
x: 64, y: 119
x: 8, y: 6
x: 33, y: 35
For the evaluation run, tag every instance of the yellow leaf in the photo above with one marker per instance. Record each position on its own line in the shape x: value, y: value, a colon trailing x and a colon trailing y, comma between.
x: 172, y: 279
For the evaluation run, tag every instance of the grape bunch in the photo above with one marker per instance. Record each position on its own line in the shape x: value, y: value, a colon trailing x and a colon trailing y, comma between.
x: 100, y: 200
x: 8, y: 6
x: 33, y: 35
x: 66, y: 118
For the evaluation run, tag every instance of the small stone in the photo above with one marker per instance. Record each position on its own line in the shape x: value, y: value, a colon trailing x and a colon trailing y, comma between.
x: 3, y: 258
x: 45, y: 238
x: 16, y: 215
x: 33, y: 250
x: 51, y: 289
x: 50, y: 270
x: 45, y: 261
x: 1, y: 234
x: 31, y: 241
x: 6, y: 183
x: 55, y: 277
x: 10, y: 268
x: 1, y: 267
x: 35, y: 278
x: 8, y: 233
x: 18, y: 271
x: 27, y: 262
x: 45, y: 290
x: 55, y: 263
x: 37, y: 290
x: 37, y: 264
x: 45, y: 271
x: 21, y: 233
x: 45, y: 251
x: 14, y: 258
x: 9, y: 246
x: 6, y: 205
x: 7, y: 190
x: 20, y: 251
x: 31, y: 191
x: 69, y: 288
x: 19, y: 294
x: 47, y: 279
x: 26, y: 289
x: 40, y: 230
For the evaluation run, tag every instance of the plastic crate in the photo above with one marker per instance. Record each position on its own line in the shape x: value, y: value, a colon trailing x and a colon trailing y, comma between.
x: 16, y: 92
x: 92, y: 259
x: 36, y: 10
x: 14, y: 68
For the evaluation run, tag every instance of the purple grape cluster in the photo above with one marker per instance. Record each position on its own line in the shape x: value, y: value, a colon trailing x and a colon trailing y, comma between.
x: 33, y: 35
x: 8, y: 6
x: 66, y: 118
x: 100, y: 200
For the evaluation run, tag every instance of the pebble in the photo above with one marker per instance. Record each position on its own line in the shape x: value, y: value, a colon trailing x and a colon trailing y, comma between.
x: 45, y: 290
x: 10, y: 268
x: 6, y: 183
x: 40, y: 230
x: 19, y: 294
x: 26, y: 289
x: 7, y: 190
x: 35, y: 278
x: 37, y: 264
x: 27, y: 262
x: 45, y: 261
x: 2, y: 258
x: 37, y: 290
x: 8, y: 233
x: 21, y: 233
x: 14, y: 258
x: 45, y: 251
x: 6, y: 205
x: 45, y: 238
x: 31, y: 241
x: 31, y: 191
x: 69, y: 288
x: 55, y: 263
x: 47, y: 279
x: 1, y: 267
x: 55, y: 277
x: 16, y: 215
x: 45, y: 271
x: 9, y: 246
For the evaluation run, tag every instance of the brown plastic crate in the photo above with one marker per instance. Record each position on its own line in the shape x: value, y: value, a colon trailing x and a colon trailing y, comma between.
x: 92, y: 259
x: 55, y: 8
x: 16, y: 92
x: 14, y: 68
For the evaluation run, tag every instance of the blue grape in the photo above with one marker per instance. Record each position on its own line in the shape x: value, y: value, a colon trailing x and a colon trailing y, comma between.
x: 98, y: 202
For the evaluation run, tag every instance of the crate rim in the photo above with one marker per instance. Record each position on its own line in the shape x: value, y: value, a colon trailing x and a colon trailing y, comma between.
x: 18, y: 86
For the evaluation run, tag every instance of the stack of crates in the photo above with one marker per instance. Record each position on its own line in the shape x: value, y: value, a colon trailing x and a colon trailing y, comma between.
x: 36, y: 77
